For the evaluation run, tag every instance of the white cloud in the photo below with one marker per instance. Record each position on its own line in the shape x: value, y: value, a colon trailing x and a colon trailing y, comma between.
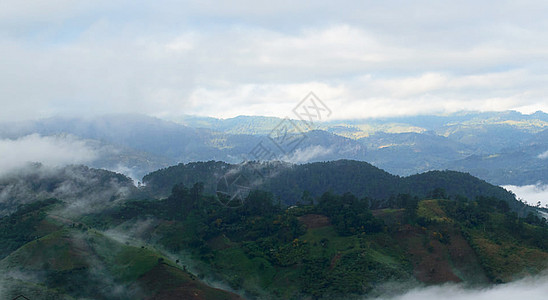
x: 48, y: 150
x: 530, y: 193
x: 529, y: 288
x: 543, y: 155
x: 365, y: 58
x: 304, y: 155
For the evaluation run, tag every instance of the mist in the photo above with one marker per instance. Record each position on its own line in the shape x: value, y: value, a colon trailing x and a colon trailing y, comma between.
x: 141, y: 233
x: 530, y: 193
x: 82, y: 189
x: 56, y: 150
x: 530, y: 288
x: 310, y: 153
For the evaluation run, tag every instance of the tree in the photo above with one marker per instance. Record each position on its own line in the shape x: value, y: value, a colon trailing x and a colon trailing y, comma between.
x: 306, y: 198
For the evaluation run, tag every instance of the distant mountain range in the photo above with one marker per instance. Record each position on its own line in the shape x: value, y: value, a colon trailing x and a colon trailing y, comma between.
x: 499, y: 147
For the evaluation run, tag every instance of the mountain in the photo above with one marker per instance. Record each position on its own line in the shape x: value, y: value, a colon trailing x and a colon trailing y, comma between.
x: 137, y: 132
x: 288, y: 182
x: 249, y: 125
x: 137, y: 145
x: 409, y: 145
x: 409, y: 153
x: 456, y: 123
x: 81, y: 187
x: 521, y: 164
x: 341, y: 231
x: 500, y: 147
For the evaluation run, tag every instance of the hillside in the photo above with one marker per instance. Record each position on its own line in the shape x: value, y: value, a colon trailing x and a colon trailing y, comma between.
x: 45, y: 256
x: 81, y: 187
x: 339, y: 248
x: 331, y: 244
x: 288, y: 182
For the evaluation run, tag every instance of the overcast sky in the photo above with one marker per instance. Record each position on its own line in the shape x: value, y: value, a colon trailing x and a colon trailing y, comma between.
x: 228, y: 58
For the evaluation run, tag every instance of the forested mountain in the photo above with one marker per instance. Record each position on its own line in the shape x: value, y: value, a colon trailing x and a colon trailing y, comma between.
x: 331, y: 246
x: 409, y: 145
x: 408, y: 152
x: 500, y: 147
x: 137, y: 144
x: 81, y: 187
x: 288, y: 182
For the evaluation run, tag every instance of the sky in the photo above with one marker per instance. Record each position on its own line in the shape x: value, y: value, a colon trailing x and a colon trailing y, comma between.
x: 227, y: 58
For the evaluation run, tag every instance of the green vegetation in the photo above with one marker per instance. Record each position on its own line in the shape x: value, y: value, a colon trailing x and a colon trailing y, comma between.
x: 76, y: 261
x: 328, y: 246
x: 337, y: 246
x: 22, y: 226
x: 288, y: 182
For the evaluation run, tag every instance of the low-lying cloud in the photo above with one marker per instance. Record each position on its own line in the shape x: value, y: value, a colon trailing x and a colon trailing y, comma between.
x: 304, y: 155
x: 543, y: 155
x: 530, y: 193
x: 56, y: 150
x: 532, y: 288
x: 83, y: 189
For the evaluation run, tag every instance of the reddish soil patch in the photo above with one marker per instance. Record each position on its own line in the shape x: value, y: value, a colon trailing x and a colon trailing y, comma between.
x: 218, y: 243
x: 334, y: 261
x: 389, y: 216
x: 430, y: 263
x: 169, y: 283
x: 465, y: 259
x: 312, y: 221
x: 436, y: 262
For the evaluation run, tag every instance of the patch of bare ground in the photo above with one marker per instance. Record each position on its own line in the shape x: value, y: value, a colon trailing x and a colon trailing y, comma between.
x: 165, y: 282
x: 313, y: 221
x: 438, y: 259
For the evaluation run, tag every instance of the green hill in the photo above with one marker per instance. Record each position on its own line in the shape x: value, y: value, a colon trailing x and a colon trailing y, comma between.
x: 339, y: 247
x: 65, y: 260
x: 288, y: 182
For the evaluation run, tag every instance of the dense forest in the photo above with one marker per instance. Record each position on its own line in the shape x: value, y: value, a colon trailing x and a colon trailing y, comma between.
x: 335, y: 245
x: 287, y: 182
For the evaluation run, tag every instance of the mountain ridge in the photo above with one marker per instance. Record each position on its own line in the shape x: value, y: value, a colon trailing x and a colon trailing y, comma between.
x: 138, y: 145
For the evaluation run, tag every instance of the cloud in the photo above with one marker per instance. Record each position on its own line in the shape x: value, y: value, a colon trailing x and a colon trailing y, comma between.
x: 543, y: 155
x: 534, y: 288
x: 530, y: 193
x: 82, y: 189
x: 49, y: 150
x: 128, y: 171
x: 370, y: 58
x: 304, y: 155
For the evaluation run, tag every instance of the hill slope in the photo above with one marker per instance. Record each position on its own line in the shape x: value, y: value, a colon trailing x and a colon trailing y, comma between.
x: 49, y: 257
x: 330, y: 245
x: 288, y: 182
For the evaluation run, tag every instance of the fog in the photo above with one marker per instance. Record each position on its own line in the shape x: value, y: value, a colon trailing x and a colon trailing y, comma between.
x: 49, y: 150
x: 303, y: 155
x: 531, y: 288
x: 141, y: 233
x: 82, y: 189
x: 530, y: 193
